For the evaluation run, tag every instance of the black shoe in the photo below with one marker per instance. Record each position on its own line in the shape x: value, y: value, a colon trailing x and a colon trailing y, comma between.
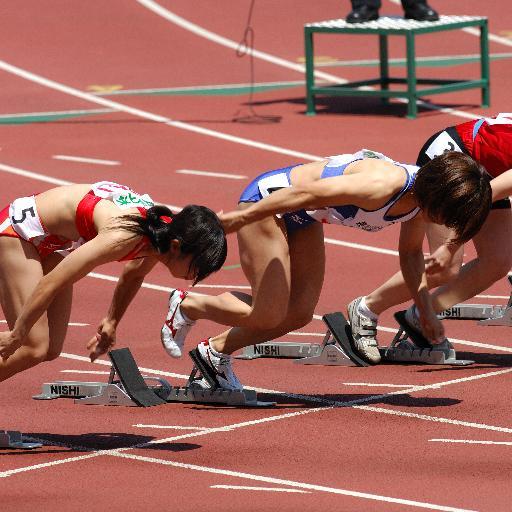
x: 362, y: 14
x: 421, y: 12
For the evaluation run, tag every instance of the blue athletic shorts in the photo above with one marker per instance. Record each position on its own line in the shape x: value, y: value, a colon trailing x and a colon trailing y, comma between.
x: 293, y: 220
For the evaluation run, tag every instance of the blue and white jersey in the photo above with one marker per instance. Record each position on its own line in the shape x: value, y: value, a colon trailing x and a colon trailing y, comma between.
x: 355, y: 216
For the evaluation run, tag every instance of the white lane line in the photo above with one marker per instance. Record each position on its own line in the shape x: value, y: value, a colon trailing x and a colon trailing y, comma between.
x: 51, y: 84
x: 88, y: 372
x: 290, y: 483
x: 470, y: 441
x: 86, y: 160
x: 58, y: 113
x: 361, y: 247
x: 200, y: 31
x: 170, y: 427
x: 212, y: 174
x: 435, y: 419
x: 504, y: 297
x: 70, y: 324
x: 247, y: 488
x: 234, y: 286
x: 376, y: 385
x: 216, y: 38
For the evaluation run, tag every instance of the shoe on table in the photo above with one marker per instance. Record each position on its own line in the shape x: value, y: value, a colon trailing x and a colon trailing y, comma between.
x: 220, y: 366
x: 364, y: 332
x: 176, y: 326
x: 362, y: 14
x: 421, y: 12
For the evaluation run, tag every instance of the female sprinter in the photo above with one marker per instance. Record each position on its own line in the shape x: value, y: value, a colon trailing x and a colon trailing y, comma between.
x: 50, y: 241
x: 489, y: 142
x: 281, y: 244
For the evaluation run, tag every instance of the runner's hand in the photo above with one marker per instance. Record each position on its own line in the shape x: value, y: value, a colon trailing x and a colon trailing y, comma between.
x: 102, y: 341
x: 432, y: 328
x: 438, y: 261
x: 8, y: 344
x: 231, y: 221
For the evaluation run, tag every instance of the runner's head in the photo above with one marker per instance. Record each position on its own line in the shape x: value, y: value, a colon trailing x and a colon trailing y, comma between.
x: 454, y: 190
x: 193, y: 237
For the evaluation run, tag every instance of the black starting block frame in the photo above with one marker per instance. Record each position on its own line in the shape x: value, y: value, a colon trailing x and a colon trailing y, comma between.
x: 402, y: 349
x: 13, y: 439
x: 336, y: 348
x: 131, y: 389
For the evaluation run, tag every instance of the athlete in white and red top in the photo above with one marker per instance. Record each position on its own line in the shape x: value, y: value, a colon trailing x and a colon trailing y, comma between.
x: 489, y: 142
x: 51, y: 240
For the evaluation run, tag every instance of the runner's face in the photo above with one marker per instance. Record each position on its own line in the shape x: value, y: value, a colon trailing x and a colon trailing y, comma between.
x: 179, y: 266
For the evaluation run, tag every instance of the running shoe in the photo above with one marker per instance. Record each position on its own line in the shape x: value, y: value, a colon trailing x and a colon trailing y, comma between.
x: 364, y: 332
x: 176, y: 326
x: 217, y: 368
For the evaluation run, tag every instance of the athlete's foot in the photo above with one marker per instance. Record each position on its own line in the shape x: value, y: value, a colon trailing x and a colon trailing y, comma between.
x: 364, y: 332
x: 219, y: 366
x: 176, y: 326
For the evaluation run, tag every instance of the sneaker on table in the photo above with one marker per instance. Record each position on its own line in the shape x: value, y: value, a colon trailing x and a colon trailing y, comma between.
x: 364, y: 332
x: 176, y: 326
x: 221, y: 365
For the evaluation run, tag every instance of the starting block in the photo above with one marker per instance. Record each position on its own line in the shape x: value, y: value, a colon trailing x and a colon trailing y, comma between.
x: 13, y: 439
x: 335, y: 350
x: 486, y: 314
x: 403, y: 350
x: 131, y: 389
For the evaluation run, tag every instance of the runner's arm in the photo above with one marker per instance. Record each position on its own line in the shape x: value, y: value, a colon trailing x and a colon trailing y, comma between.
x: 412, y: 265
x: 104, y: 248
x: 502, y: 186
x: 362, y: 189
x: 127, y: 287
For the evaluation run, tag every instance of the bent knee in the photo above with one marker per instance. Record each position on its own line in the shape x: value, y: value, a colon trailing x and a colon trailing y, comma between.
x: 51, y: 355
x: 267, y: 321
x: 35, y: 355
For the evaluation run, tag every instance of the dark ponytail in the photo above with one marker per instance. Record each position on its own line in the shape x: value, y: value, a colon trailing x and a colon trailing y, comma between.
x: 197, y: 229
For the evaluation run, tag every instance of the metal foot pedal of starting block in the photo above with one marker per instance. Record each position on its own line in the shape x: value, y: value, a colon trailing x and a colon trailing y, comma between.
x: 13, y: 439
x: 129, y: 390
x: 403, y: 350
x: 335, y: 350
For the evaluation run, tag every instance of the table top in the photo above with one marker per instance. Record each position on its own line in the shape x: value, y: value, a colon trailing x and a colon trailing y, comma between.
x: 397, y: 24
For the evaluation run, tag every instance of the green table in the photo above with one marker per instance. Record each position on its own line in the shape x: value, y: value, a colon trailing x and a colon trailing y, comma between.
x: 388, y: 26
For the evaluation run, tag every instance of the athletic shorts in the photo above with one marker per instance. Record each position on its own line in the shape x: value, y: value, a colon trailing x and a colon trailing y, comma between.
x: 449, y: 140
x: 268, y: 182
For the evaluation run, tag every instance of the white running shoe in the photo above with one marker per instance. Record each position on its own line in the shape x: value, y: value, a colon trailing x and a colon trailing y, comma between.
x: 364, y: 332
x: 176, y: 326
x: 221, y: 366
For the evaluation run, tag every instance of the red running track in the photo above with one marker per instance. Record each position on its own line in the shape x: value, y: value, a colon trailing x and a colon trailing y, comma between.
x: 349, y: 438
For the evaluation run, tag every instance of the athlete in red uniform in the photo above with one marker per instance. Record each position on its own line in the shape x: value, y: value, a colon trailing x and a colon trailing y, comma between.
x: 489, y: 142
x: 51, y: 240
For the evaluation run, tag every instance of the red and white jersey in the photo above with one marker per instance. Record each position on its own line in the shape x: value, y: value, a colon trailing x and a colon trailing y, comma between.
x: 489, y: 142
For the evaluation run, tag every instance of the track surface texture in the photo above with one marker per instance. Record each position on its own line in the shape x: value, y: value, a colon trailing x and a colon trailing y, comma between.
x: 154, y: 86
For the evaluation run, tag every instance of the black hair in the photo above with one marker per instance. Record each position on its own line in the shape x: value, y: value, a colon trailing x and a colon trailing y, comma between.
x: 197, y: 228
x: 455, y: 190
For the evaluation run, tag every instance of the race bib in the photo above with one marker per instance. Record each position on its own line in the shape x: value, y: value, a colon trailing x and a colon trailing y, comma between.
x: 442, y: 144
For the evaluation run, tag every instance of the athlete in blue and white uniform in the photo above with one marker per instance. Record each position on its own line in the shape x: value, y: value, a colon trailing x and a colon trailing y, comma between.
x: 347, y: 215
x: 279, y: 225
